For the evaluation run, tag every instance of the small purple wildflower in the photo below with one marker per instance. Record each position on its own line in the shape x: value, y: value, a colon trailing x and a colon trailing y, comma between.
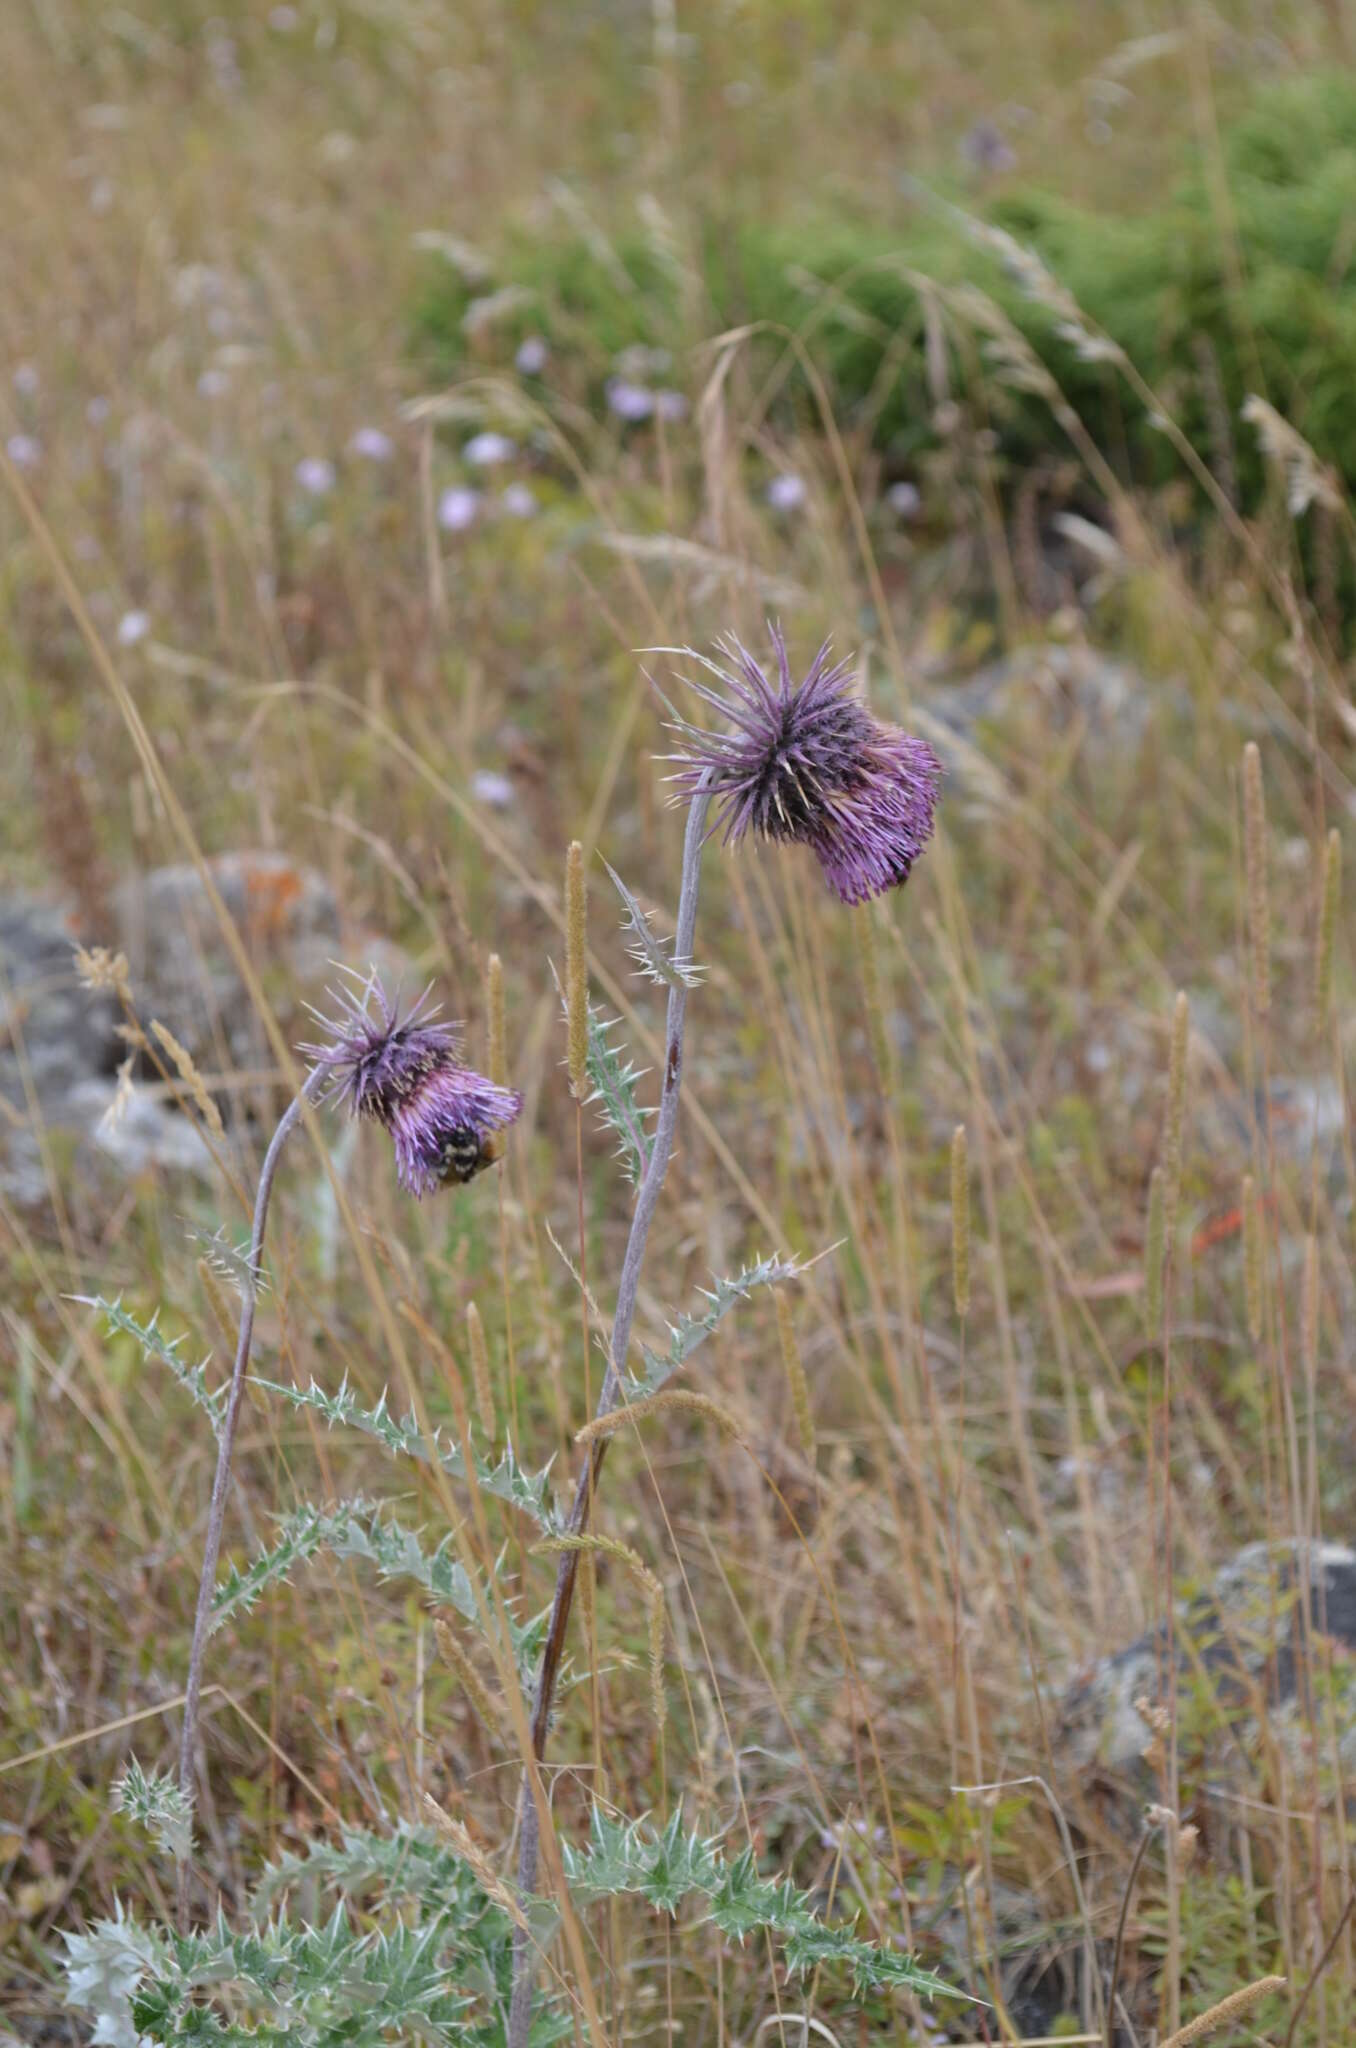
x: 213, y: 384
x: 988, y: 149
x: 532, y: 356
x: 786, y: 493
x: 132, y: 627
x: 371, y: 444
x: 405, y: 1074
x: 670, y: 405
x: 488, y: 450
x: 518, y: 500
x: 457, y: 508
x: 315, y: 475
x: 808, y: 762
x: 904, y: 499
x: 630, y: 402
x: 492, y: 788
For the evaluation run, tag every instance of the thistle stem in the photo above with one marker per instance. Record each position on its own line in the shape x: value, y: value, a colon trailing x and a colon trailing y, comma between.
x: 216, y: 1513
x: 647, y: 1200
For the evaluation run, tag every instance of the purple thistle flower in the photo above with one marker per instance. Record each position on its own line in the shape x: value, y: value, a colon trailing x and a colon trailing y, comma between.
x: 406, y: 1073
x: 808, y: 762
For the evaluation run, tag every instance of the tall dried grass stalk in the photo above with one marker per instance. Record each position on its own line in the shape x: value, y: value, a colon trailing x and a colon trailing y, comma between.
x: 576, y: 972
x: 218, y: 1301
x: 495, y: 1030
x: 1255, y: 861
x: 1176, y: 1117
x: 1309, y: 1308
x: 191, y: 1078
x: 1327, y: 926
x: 873, y: 993
x: 1253, y: 1257
x: 1155, y: 1236
x: 608, y: 1546
x: 472, y: 1685
x: 496, y: 1036
x: 795, y: 1376
x: 480, y: 1370
x: 464, y: 1844
x: 685, y: 1398
x: 960, y: 1221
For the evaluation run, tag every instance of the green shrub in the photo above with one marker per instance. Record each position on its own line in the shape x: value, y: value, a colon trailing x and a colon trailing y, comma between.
x: 1206, y: 307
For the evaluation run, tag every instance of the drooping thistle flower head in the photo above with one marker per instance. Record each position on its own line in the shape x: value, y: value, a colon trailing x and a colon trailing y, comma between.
x: 808, y: 762
x: 406, y: 1073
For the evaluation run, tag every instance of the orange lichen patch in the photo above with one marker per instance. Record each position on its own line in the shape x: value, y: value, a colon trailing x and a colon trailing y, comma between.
x: 270, y: 894
x: 1218, y: 1229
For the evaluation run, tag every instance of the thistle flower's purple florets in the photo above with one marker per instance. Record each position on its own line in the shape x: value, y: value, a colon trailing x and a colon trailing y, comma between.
x: 406, y: 1074
x: 808, y: 762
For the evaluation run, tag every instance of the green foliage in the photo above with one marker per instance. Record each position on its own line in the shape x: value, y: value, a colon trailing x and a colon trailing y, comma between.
x: 386, y: 1937
x: 1206, y: 323
x: 360, y: 1978
x: 160, y: 1806
x: 688, y: 1333
x: 586, y: 297
x: 505, y: 1478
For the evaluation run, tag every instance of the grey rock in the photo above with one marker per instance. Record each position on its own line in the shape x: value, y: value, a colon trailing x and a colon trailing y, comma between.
x: 1244, y: 1638
x: 52, y: 1034
x: 1052, y: 684
x: 54, y: 1038
x: 182, y: 971
x: 143, y: 1133
x: 59, y: 1048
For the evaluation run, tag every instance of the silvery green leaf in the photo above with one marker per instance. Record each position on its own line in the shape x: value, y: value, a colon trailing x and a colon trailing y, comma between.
x: 159, y: 1804
x: 688, y: 1332
x: 648, y: 950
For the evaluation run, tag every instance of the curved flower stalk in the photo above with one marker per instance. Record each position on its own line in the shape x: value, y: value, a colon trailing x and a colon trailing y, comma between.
x: 804, y: 762
x: 808, y: 762
x: 404, y: 1073
x: 647, y: 1200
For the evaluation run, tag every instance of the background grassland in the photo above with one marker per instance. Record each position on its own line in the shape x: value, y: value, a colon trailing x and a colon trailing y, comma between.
x: 216, y: 257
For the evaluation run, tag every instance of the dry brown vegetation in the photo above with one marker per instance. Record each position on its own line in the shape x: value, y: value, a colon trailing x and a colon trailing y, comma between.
x: 876, y: 1612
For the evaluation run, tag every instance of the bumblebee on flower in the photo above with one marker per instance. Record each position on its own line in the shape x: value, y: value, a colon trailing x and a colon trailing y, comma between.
x: 406, y: 1073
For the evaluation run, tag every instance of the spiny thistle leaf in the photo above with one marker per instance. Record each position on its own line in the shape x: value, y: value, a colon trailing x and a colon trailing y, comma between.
x: 405, y: 1947
x: 613, y: 1082
x: 505, y: 1479
x: 358, y: 1528
x: 411, y: 1864
x: 689, y: 1332
x: 104, y: 1970
x: 631, y: 1857
x: 231, y: 1262
x: 308, y: 1985
x: 160, y: 1805
x: 648, y: 951
x: 193, y: 1378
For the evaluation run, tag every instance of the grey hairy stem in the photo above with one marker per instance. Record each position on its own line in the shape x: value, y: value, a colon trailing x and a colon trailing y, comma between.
x: 647, y: 1200
x: 216, y: 1513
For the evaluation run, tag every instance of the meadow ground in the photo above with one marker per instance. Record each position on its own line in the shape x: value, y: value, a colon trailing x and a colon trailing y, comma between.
x: 307, y: 549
